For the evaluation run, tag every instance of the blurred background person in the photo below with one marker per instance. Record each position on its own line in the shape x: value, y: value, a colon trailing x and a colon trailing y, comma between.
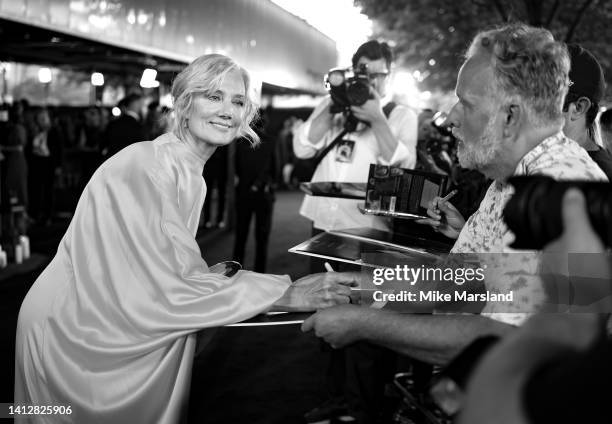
x: 385, y: 137
x: 90, y: 143
x: 45, y: 161
x: 605, y: 121
x: 581, y: 106
x: 154, y: 123
x: 426, y: 137
x: 127, y: 128
x: 437, y: 152
x: 284, y: 152
x: 256, y: 173
x: 14, y: 166
x: 215, y: 174
x: 91, y: 133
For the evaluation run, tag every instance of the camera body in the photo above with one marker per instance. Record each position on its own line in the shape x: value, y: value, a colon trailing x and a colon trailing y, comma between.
x: 348, y: 87
x: 441, y: 124
x: 534, y: 211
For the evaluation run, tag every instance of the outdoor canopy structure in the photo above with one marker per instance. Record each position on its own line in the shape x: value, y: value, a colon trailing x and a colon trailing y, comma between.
x: 125, y: 36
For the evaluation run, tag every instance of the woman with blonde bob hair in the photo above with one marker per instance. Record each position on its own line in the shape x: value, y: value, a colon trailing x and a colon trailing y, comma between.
x: 108, y: 328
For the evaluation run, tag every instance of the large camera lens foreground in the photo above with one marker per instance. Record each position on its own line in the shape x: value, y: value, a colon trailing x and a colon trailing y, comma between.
x: 357, y: 92
x: 534, y: 211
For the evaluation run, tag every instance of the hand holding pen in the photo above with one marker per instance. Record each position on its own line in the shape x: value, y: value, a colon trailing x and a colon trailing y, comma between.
x: 444, y: 217
x: 438, y: 200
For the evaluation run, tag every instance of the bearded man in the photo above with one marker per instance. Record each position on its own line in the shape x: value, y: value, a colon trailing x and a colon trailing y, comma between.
x: 508, y: 121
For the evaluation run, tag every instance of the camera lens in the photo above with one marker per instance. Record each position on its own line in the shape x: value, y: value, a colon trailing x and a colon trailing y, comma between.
x: 358, y: 92
x: 534, y: 212
x: 335, y: 78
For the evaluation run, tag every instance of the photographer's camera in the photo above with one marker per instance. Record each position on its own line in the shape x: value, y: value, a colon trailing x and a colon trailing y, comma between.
x: 348, y: 87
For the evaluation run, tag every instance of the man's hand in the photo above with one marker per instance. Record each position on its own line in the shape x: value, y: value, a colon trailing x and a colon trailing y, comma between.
x: 317, y: 291
x: 339, y: 326
x: 501, y: 375
x: 444, y: 218
x: 577, y: 259
x: 578, y: 235
x: 371, y: 111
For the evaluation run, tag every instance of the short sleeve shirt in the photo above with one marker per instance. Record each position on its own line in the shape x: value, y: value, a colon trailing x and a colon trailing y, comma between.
x: 486, y: 232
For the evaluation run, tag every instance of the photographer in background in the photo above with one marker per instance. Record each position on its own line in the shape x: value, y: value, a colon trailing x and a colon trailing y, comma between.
x: 557, y: 367
x: 581, y: 106
x: 377, y: 138
x: 437, y: 152
x: 605, y: 120
x: 374, y: 132
x: 428, y: 142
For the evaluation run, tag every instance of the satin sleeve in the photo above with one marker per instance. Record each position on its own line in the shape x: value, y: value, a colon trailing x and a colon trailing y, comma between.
x: 138, y: 267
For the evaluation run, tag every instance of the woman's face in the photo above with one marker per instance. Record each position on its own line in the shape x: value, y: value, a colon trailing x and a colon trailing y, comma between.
x: 215, y: 117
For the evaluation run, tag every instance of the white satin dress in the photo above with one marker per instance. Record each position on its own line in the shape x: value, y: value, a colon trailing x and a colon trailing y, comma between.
x: 109, y: 326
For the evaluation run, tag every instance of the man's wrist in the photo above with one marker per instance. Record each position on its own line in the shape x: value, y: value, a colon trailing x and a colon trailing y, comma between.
x: 361, y: 323
x: 379, y: 121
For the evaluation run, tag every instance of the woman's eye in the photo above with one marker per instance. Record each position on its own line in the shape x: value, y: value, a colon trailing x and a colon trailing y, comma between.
x: 214, y: 97
x: 239, y: 103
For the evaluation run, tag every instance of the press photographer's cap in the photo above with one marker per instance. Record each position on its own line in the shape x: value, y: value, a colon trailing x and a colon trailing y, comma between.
x: 586, y: 74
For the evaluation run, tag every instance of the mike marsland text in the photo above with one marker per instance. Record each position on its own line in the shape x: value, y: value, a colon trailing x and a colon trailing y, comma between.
x: 438, y: 296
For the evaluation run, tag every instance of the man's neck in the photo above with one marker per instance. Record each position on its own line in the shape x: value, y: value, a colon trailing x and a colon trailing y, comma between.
x: 588, y: 144
x: 578, y: 132
x: 526, y: 142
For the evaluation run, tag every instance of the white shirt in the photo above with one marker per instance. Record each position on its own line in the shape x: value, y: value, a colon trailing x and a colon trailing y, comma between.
x: 329, y: 213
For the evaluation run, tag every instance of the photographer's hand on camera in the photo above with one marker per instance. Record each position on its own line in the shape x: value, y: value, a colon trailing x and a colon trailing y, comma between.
x: 372, y: 113
x: 444, y: 218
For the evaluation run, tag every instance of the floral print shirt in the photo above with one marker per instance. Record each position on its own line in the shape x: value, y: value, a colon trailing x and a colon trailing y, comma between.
x: 486, y: 233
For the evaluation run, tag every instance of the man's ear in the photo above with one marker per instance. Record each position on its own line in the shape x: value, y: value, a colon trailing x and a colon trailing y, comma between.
x: 580, y: 108
x: 514, y: 115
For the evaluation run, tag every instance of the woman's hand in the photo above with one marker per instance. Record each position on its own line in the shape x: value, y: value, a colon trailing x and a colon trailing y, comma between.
x: 317, y: 291
x: 444, y: 218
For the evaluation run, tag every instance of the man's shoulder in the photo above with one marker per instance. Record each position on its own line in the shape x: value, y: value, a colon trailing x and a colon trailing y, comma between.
x: 563, y: 159
x: 603, y: 158
x: 401, y: 110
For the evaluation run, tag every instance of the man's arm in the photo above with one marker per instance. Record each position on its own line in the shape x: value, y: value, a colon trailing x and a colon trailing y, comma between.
x: 386, y: 140
x: 431, y: 338
x: 321, y: 123
x: 310, y: 137
x: 398, y: 144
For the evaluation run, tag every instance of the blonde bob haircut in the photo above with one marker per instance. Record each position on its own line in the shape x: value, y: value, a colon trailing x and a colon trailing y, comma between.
x: 202, y: 76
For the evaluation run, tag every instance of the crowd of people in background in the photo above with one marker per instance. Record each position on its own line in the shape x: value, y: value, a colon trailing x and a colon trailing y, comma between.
x: 47, y: 152
x: 50, y: 153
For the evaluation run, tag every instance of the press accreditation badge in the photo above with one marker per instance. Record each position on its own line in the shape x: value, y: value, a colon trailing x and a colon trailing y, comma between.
x: 345, y: 151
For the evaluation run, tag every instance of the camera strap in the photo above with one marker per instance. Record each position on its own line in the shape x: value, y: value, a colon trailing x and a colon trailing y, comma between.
x: 387, y: 109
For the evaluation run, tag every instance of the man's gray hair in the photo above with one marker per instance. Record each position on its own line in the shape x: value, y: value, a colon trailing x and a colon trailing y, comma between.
x: 529, y: 66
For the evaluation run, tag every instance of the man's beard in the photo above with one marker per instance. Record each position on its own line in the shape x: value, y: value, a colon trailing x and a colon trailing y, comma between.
x: 483, y: 153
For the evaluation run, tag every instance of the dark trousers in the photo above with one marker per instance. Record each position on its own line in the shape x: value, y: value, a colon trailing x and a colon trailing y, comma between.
x: 41, y: 186
x: 261, y: 204
x: 216, y: 180
x: 368, y: 369
x: 357, y: 373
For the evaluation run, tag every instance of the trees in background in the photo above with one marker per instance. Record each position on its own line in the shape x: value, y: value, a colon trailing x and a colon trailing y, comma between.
x: 432, y: 35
